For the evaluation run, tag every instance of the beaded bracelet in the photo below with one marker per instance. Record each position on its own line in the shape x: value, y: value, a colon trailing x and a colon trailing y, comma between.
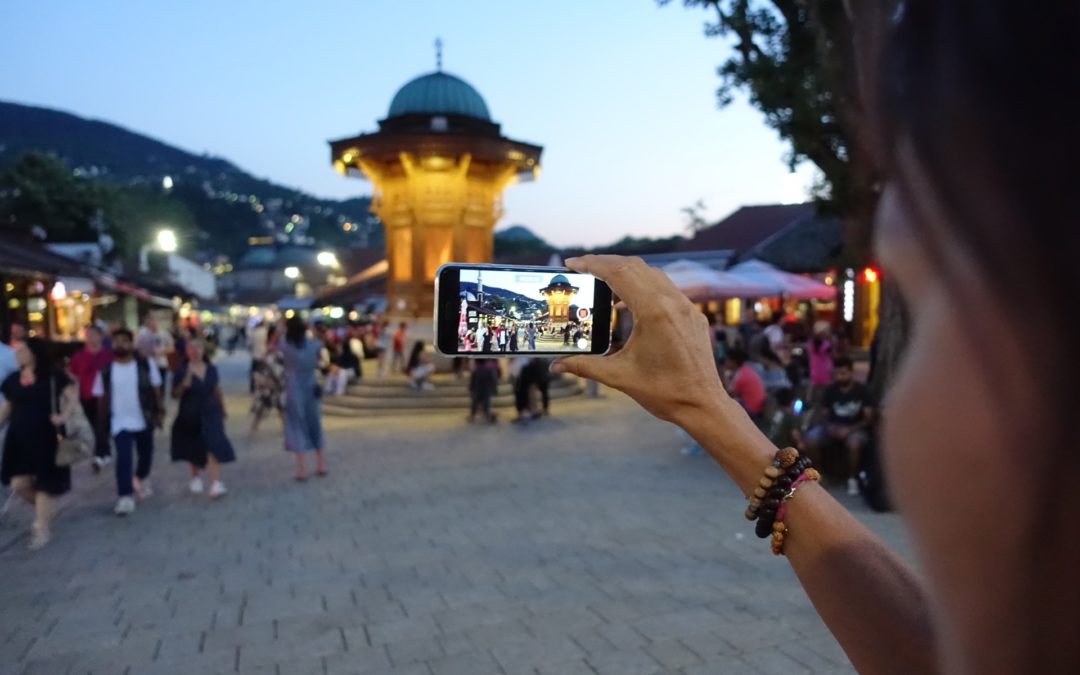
x: 778, y: 527
x: 786, y: 468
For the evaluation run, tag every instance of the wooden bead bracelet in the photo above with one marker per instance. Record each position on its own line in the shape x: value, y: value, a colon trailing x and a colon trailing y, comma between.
x: 779, y: 529
x: 786, y: 469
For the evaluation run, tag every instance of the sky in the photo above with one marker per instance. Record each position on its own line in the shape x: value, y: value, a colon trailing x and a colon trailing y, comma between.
x: 530, y: 283
x: 621, y: 94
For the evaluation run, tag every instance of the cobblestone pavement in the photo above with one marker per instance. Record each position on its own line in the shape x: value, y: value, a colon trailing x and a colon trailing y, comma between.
x: 582, y: 544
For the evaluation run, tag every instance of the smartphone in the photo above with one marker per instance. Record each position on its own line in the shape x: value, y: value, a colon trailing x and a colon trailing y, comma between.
x: 487, y: 311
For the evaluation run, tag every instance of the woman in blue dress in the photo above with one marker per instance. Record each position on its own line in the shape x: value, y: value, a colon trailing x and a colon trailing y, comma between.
x: 303, y: 414
x: 198, y: 434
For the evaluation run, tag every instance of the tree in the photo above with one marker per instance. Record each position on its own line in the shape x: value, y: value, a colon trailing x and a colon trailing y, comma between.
x: 695, y: 217
x: 797, y: 62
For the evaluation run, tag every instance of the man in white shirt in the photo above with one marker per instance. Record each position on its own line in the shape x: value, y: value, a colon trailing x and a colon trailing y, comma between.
x: 129, y: 390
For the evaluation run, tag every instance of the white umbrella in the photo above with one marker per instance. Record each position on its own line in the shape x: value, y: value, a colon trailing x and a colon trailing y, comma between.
x: 791, y: 285
x: 700, y: 282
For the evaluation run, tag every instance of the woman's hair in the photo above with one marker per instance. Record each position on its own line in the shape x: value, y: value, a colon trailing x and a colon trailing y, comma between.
x: 43, y: 360
x: 295, y: 330
x: 414, y: 356
x: 982, y: 96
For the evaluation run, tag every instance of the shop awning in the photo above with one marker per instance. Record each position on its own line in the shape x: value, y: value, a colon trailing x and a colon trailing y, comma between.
x: 783, y: 283
x: 701, y: 283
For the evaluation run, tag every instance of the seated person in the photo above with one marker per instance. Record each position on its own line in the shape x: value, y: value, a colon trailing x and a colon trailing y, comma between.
x: 783, y: 427
x: 847, y: 407
x: 746, y: 386
x: 420, y: 368
x: 344, y: 366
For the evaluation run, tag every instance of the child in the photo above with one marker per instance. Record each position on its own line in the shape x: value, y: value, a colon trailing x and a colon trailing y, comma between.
x: 783, y: 425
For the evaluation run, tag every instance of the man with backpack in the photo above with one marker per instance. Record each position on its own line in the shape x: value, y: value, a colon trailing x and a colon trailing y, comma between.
x: 130, y: 408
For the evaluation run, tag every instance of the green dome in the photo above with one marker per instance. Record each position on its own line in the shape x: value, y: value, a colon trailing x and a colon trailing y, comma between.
x: 559, y: 279
x: 439, y: 93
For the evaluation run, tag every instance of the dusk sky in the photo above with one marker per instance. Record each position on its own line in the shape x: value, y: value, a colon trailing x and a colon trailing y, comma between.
x: 621, y: 94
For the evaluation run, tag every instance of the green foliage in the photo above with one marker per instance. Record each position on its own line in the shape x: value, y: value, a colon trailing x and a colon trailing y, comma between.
x: 795, y: 59
x: 40, y: 190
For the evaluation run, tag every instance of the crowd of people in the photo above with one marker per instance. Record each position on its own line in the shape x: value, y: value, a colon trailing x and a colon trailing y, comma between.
x: 802, y: 392
x: 107, y: 402
x: 518, y: 336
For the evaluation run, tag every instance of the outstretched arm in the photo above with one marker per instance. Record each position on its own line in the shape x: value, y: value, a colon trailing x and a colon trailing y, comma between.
x: 866, y: 594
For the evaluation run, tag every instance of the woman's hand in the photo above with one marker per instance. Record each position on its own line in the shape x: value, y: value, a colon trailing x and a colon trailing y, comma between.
x: 667, y: 365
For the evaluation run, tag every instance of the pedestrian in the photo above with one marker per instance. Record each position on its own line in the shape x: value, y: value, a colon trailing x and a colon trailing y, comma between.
x: 155, y: 343
x: 819, y: 354
x: 84, y: 367
x: 18, y: 335
x: 303, y: 413
x: 483, y: 384
x: 258, y: 345
x: 37, y: 399
x: 344, y: 366
x: 532, y: 337
x: 487, y: 339
x: 420, y: 368
x: 746, y: 386
x: 397, y: 364
x: 269, y: 383
x: 501, y: 337
x: 130, y: 409
x: 198, y: 432
x: 514, y: 338
x: 383, y: 347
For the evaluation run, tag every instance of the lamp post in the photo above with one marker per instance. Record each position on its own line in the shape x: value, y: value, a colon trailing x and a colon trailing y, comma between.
x: 165, y: 242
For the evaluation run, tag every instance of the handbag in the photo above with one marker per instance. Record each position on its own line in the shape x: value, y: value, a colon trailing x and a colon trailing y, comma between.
x: 75, y: 438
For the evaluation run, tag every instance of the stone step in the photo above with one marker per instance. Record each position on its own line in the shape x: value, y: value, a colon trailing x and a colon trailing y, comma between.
x: 418, y: 401
x: 402, y: 389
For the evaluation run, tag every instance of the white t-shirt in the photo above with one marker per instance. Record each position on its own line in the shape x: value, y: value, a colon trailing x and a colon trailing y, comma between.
x: 259, y: 336
x: 127, y: 413
x: 775, y: 334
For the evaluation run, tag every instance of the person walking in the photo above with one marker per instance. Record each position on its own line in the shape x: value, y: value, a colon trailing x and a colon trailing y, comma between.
x: 482, y: 385
x: 130, y: 409
x: 513, y: 338
x: 198, y: 433
x: 531, y: 331
x: 303, y: 414
x: 156, y: 344
x: 84, y: 367
x: 486, y: 339
x: 37, y: 398
x: 397, y: 363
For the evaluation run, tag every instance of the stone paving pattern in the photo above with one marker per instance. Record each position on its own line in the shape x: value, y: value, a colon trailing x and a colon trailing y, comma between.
x: 583, y: 544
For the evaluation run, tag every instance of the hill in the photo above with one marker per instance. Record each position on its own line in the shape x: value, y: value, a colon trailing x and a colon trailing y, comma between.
x: 226, y: 204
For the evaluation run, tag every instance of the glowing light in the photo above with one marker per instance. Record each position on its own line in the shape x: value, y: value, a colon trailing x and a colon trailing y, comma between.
x: 59, y: 291
x: 166, y: 241
x: 583, y: 343
x: 167, y: 182
x: 849, y: 300
x: 354, y: 315
x: 289, y: 313
x: 347, y: 157
x: 327, y: 259
x: 337, y: 313
x: 870, y: 274
x: 292, y: 272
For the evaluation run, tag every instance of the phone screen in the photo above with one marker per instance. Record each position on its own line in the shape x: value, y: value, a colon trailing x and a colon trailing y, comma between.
x: 502, y: 312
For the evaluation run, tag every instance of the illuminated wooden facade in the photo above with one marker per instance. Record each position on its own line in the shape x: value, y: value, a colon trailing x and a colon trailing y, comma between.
x: 438, y: 166
x: 559, y: 295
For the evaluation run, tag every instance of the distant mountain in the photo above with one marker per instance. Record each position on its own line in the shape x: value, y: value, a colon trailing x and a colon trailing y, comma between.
x: 517, y: 240
x: 226, y: 203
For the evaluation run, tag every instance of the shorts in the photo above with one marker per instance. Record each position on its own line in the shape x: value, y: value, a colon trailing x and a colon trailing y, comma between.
x: 825, y: 435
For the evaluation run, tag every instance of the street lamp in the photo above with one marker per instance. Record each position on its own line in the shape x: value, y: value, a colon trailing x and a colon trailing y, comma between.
x: 292, y: 272
x: 165, y: 242
x: 327, y: 259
